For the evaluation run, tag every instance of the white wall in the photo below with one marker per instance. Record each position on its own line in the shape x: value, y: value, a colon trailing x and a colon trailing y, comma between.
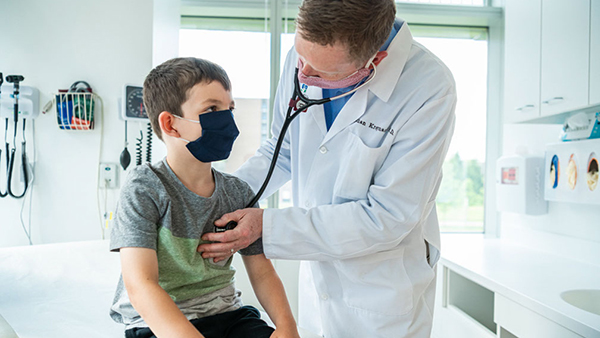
x: 569, y: 229
x: 54, y: 43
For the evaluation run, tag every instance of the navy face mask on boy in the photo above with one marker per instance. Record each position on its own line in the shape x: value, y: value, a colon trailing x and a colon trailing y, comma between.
x: 218, y: 134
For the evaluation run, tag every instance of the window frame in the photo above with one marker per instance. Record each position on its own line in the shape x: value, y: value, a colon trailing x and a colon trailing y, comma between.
x: 489, y: 16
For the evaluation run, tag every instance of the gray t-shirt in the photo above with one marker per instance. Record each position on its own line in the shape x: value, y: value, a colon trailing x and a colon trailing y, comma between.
x: 156, y: 211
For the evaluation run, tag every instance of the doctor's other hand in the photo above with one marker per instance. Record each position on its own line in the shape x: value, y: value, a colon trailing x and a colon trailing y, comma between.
x: 247, y: 231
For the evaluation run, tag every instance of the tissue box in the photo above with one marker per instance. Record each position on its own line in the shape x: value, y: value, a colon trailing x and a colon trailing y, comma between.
x: 589, y: 131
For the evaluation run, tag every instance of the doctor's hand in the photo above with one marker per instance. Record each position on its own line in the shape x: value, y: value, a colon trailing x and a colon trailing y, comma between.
x: 248, y: 230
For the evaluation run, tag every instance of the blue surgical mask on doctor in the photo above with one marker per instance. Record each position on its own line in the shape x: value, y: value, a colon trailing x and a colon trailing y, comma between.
x: 218, y: 134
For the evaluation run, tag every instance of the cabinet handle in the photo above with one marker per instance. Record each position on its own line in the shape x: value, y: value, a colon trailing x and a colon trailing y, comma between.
x: 525, y: 108
x: 554, y: 100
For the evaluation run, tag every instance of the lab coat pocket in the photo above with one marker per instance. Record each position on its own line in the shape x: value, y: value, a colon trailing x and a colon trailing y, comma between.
x: 377, y: 283
x: 358, y: 165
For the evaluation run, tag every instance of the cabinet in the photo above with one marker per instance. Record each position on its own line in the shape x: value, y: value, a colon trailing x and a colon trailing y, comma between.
x: 522, y: 59
x: 547, y: 57
x: 595, y: 53
x: 465, y: 308
x: 565, y: 55
x: 521, y: 322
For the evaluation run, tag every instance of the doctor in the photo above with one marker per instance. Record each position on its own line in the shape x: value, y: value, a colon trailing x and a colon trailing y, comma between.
x: 365, y: 172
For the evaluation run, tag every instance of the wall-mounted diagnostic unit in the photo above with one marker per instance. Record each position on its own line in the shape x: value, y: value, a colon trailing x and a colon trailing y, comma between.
x: 132, y: 104
x: 132, y: 109
x: 17, y: 103
x: 29, y: 102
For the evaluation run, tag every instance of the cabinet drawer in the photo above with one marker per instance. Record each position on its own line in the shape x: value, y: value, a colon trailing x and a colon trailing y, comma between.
x: 525, y: 323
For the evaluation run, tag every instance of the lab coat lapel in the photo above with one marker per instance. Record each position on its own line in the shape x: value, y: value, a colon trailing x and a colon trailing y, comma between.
x: 390, y: 69
x: 352, y: 110
x: 317, y: 111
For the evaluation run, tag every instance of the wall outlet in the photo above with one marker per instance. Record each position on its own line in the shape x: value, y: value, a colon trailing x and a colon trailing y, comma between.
x: 108, y: 176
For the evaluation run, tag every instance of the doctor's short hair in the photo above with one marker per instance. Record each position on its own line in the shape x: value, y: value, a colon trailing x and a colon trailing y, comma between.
x: 167, y: 86
x: 362, y: 25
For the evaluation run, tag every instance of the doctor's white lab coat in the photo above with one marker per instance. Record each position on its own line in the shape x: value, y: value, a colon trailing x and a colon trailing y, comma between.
x: 364, y: 196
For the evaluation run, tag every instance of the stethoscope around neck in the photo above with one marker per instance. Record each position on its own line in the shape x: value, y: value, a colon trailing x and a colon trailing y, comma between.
x: 298, y: 103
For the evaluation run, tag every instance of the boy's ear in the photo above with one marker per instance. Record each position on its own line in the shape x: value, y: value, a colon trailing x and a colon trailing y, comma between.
x: 165, y: 121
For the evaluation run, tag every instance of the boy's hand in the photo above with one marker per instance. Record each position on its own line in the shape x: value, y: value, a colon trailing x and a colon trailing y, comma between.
x: 248, y: 230
x: 283, y: 333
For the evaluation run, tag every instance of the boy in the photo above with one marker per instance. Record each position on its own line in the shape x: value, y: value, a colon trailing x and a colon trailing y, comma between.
x: 167, y: 289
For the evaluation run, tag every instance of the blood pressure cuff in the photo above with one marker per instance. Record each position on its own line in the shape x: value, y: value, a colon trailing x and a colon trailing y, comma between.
x: 75, y: 107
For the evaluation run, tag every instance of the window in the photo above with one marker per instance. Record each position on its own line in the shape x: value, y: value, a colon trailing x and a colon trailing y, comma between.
x: 447, y: 2
x: 223, y: 33
x: 460, y: 200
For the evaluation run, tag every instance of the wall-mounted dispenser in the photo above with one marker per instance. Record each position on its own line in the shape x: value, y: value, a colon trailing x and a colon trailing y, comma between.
x: 519, y: 185
x: 571, y: 171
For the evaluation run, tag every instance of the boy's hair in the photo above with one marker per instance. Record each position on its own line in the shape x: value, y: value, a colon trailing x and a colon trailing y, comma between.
x: 167, y: 86
x: 362, y: 26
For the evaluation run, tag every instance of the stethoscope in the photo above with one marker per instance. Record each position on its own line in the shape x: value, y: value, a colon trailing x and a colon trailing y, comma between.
x: 298, y: 103
x: 10, y: 158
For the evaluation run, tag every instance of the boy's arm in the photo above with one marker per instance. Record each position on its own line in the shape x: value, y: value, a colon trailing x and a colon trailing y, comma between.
x: 139, y: 267
x: 271, y: 294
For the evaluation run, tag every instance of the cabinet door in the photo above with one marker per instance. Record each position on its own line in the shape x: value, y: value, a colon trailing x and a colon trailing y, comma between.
x: 565, y: 55
x: 522, y: 59
x: 524, y: 323
x: 595, y: 53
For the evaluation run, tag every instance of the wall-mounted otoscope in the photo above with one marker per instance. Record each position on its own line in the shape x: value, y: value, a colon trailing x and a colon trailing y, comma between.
x: 4, y: 194
x: 15, y: 80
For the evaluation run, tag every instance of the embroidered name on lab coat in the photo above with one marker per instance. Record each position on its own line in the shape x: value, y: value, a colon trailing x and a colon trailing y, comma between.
x: 375, y: 127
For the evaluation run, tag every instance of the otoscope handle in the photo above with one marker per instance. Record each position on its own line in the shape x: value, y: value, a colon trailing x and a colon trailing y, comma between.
x: 16, y: 114
x: 15, y: 79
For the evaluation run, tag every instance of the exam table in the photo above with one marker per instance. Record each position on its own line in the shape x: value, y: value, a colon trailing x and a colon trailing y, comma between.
x: 65, y: 290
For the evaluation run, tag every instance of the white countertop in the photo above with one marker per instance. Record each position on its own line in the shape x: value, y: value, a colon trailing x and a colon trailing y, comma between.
x: 531, y: 278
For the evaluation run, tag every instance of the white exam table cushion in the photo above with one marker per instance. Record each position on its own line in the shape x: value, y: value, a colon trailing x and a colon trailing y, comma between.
x: 65, y: 290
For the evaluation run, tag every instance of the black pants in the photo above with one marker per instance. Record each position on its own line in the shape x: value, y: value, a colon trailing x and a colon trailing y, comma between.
x: 242, y: 323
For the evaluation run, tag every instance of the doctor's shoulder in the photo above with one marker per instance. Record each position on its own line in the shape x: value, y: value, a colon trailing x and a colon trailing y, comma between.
x: 428, y: 73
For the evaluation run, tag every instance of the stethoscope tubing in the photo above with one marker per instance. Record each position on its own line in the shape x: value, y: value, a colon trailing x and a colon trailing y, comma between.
x: 298, y: 103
